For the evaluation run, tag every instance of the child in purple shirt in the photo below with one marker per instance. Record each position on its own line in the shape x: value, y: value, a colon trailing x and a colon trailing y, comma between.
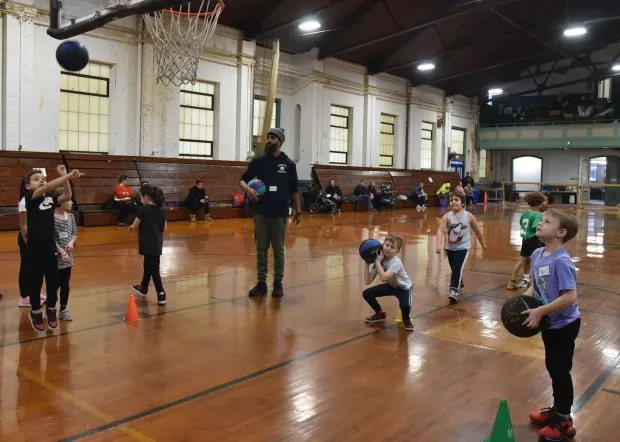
x: 554, y: 284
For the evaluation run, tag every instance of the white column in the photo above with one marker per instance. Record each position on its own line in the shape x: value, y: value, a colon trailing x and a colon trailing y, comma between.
x: 20, y: 103
x: 245, y: 80
x: 370, y: 147
x: 443, y: 147
x: 413, y: 147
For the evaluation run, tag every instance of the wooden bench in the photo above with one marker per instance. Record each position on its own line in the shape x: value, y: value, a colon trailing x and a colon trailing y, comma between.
x: 96, y: 188
x: 348, y: 177
x: 14, y: 166
x: 406, y: 181
x: 177, y: 176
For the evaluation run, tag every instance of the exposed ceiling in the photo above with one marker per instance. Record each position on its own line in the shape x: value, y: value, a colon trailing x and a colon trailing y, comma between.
x: 474, y: 44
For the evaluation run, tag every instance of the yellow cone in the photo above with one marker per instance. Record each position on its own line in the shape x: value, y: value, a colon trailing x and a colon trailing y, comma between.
x: 399, y: 317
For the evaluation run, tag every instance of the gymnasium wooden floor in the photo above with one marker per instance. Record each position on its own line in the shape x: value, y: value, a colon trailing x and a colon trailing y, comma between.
x: 214, y: 365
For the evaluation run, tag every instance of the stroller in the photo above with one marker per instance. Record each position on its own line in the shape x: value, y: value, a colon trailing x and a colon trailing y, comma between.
x: 321, y: 203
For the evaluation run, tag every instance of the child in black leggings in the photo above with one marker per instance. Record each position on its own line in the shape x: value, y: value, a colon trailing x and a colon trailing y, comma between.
x: 41, y: 260
x: 65, y: 235
x: 22, y: 242
x: 151, y: 224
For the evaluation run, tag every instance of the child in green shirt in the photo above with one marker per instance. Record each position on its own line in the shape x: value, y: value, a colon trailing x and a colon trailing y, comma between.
x: 528, y: 222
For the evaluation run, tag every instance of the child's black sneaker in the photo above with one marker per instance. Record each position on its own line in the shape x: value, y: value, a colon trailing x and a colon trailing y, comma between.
x: 36, y: 319
x: 278, y: 290
x: 139, y: 290
x: 259, y: 289
x: 161, y: 298
x: 377, y: 317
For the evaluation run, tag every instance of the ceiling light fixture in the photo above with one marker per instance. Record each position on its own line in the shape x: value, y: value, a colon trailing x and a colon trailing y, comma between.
x: 426, y: 67
x: 616, y: 68
x: 310, y: 25
x: 575, y: 32
x: 496, y: 91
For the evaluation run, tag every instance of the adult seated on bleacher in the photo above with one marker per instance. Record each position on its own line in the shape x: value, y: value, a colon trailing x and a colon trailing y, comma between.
x: 388, y: 199
x: 197, y: 199
x: 362, y: 194
x: 419, y: 195
x: 123, y: 200
x: 334, y: 193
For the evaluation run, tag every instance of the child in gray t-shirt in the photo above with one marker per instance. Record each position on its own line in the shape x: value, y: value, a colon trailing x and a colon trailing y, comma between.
x: 395, y: 280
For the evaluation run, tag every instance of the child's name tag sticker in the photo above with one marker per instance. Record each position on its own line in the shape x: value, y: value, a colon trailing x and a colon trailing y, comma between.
x: 273, y: 188
x: 543, y: 271
x: 64, y: 235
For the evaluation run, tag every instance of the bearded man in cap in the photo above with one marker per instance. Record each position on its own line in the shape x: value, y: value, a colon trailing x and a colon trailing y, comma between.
x: 271, y: 210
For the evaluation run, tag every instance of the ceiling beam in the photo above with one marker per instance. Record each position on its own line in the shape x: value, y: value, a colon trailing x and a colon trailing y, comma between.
x: 514, y: 80
x: 286, y: 24
x: 536, y: 37
x: 482, y: 69
x: 455, y: 50
x: 435, y: 20
x: 257, y: 23
x: 361, y: 11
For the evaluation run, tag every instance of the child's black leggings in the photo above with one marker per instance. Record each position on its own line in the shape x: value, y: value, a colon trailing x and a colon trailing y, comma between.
x: 151, y: 270
x: 23, y: 269
x: 41, y: 261
x: 457, y: 259
x: 64, y: 276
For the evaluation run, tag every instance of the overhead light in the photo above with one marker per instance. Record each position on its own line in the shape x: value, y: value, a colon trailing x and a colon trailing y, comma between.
x: 310, y: 25
x: 575, y: 32
x: 426, y: 67
x: 496, y: 91
x: 616, y: 68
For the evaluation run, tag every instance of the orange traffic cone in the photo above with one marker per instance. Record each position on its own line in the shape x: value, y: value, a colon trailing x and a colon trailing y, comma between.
x: 132, y: 311
x: 486, y: 199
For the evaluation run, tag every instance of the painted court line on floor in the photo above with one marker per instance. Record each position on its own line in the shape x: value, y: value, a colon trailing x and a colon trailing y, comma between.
x: 252, y: 375
x: 75, y: 401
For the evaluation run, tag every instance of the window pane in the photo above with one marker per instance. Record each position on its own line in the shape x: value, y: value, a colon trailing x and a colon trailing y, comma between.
x: 84, y: 105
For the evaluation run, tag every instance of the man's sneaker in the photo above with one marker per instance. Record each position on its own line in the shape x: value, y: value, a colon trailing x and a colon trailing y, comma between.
x: 407, y: 324
x: 542, y: 417
x: 558, y: 430
x: 36, y: 319
x: 65, y: 315
x: 139, y: 290
x: 453, y: 297
x: 260, y: 289
x: 52, y: 318
x: 161, y: 298
x: 278, y: 290
x: 377, y: 317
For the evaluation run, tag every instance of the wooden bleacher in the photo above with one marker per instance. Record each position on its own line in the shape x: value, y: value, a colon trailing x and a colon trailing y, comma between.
x: 13, y: 167
x: 96, y: 188
x: 175, y: 176
x: 403, y: 180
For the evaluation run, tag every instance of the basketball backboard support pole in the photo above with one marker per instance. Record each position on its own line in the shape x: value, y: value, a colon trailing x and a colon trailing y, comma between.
x: 102, y: 17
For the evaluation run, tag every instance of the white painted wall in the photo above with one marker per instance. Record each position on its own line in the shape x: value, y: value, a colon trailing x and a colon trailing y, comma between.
x: 144, y: 114
x: 559, y: 165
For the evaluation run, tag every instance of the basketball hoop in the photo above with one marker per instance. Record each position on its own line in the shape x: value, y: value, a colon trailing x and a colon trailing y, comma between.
x: 179, y: 36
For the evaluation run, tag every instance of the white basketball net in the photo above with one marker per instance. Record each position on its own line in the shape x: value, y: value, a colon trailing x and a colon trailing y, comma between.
x: 179, y: 36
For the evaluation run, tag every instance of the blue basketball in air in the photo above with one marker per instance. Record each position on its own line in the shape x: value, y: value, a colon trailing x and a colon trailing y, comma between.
x: 72, y: 55
x: 369, y: 249
x: 258, y: 186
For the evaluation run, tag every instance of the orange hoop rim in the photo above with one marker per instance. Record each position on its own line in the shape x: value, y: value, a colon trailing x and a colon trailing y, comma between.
x: 195, y: 14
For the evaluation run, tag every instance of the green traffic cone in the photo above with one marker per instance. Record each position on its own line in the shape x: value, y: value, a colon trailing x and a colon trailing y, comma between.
x: 502, y: 428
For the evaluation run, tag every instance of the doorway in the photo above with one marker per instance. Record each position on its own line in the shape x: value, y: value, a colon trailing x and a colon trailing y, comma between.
x: 458, y: 167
